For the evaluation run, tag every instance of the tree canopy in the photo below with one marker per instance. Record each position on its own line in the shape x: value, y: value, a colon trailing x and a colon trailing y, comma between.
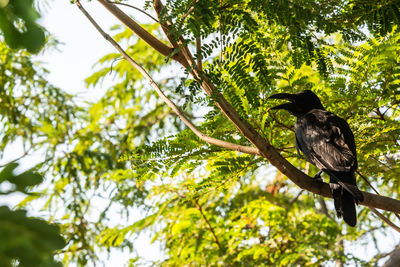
x: 183, y: 146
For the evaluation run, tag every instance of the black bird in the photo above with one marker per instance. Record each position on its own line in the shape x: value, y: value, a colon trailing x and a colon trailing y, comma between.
x: 327, y: 142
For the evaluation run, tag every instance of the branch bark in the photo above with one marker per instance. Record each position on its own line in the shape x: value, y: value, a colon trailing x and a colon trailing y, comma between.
x: 262, y: 146
x: 142, y: 33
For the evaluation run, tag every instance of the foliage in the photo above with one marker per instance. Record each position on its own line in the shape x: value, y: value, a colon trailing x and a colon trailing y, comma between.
x: 205, y: 205
x: 25, y: 95
x: 32, y: 110
x: 25, y: 241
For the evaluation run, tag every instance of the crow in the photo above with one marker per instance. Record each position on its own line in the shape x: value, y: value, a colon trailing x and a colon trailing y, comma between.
x: 326, y: 141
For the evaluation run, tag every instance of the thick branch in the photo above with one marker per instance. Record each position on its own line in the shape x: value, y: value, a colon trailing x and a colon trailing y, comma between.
x: 142, y: 33
x: 189, y: 124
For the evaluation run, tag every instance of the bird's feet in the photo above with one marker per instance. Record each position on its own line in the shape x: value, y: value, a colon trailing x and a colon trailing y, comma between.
x: 318, y: 176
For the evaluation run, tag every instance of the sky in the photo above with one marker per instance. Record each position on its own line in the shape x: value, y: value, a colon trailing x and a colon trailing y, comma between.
x: 81, y: 47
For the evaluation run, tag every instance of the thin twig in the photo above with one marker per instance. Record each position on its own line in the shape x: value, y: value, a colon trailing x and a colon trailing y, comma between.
x: 297, y: 197
x: 370, y: 185
x: 188, y: 12
x: 198, y: 51
x: 290, y: 128
x: 138, y: 9
x: 208, y: 224
x: 324, y: 209
x: 180, y: 156
x: 16, y: 159
x: 383, y: 218
x: 373, y: 188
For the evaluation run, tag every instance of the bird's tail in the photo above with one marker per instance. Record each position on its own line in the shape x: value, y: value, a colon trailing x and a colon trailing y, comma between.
x: 344, y: 204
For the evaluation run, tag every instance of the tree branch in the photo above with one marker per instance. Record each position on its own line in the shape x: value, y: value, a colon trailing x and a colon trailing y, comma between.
x: 184, y: 57
x: 208, y: 224
x: 383, y: 218
x: 188, y: 12
x: 394, y: 258
x: 136, y: 8
x: 324, y: 209
x: 142, y: 33
x: 18, y: 158
x: 376, y: 191
x: 198, y: 51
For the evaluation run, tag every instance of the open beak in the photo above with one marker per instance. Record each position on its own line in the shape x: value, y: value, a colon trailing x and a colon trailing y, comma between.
x: 285, y: 96
x: 282, y: 96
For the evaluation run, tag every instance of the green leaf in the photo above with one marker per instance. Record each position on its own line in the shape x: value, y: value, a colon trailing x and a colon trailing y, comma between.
x: 30, y: 241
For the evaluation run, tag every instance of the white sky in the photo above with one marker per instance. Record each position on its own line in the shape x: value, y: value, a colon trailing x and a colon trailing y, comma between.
x: 82, y: 47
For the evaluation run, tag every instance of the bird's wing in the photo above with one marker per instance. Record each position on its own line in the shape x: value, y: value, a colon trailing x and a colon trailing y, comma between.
x: 327, y: 141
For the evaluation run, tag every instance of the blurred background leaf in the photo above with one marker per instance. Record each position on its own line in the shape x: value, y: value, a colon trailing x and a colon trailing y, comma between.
x: 24, y: 240
x: 19, y: 26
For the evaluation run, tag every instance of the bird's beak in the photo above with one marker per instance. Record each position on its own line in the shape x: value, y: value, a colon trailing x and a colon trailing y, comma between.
x: 287, y: 106
x: 285, y: 96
